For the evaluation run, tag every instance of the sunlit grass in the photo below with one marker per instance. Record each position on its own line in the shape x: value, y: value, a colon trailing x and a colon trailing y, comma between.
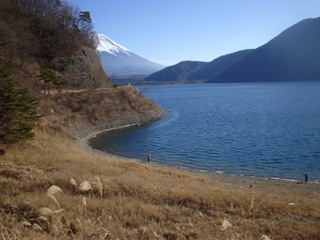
x: 129, y: 199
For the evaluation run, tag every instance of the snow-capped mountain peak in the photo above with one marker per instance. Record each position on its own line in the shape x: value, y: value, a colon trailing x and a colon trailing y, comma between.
x: 118, y: 61
x: 110, y: 46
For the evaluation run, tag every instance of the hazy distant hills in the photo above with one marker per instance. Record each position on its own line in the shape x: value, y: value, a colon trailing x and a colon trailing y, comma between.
x: 294, y: 55
x: 177, y: 73
x: 117, y: 61
x: 218, y: 65
x: 189, y: 71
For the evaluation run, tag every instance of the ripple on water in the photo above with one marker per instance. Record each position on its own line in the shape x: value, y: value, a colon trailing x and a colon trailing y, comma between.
x: 257, y: 129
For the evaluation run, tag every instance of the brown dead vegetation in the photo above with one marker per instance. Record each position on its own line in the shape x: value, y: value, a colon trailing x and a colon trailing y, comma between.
x: 134, y: 200
x: 81, y: 112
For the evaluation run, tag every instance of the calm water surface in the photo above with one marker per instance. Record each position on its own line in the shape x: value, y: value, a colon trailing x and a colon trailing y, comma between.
x: 253, y: 129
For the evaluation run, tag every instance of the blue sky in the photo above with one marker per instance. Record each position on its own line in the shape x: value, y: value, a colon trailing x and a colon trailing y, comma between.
x: 170, y: 31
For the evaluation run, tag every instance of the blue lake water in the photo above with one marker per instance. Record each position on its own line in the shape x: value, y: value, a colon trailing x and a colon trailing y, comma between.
x: 267, y: 130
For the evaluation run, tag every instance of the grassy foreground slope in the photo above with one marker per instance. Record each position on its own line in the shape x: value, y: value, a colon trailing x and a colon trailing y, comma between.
x: 135, y: 200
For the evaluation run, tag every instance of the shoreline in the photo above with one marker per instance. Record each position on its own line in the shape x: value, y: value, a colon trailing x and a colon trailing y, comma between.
x: 214, y: 177
x: 84, y: 140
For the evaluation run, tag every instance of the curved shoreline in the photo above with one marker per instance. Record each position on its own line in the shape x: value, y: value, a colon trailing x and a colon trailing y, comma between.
x: 84, y: 140
x: 224, y: 178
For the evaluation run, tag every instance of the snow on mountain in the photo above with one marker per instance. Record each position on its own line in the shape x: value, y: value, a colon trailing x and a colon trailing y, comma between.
x: 119, y: 61
x: 110, y: 46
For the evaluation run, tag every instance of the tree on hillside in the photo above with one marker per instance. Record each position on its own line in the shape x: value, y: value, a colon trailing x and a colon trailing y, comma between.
x: 42, y: 30
x: 50, y: 78
x: 18, y: 111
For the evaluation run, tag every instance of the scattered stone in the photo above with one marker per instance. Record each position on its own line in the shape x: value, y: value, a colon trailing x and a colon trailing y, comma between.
x: 291, y: 204
x: 226, y: 224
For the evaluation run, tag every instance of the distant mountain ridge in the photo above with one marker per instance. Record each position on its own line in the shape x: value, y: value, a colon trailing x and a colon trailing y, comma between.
x: 118, y: 61
x: 176, y: 73
x: 293, y: 55
x: 218, y: 65
x: 192, y: 71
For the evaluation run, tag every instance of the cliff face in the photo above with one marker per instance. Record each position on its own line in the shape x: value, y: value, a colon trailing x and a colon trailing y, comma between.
x: 82, y: 70
x: 85, y: 70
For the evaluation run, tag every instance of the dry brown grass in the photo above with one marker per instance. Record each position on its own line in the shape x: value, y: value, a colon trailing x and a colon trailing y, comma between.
x: 80, y: 112
x: 96, y: 104
x: 135, y: 200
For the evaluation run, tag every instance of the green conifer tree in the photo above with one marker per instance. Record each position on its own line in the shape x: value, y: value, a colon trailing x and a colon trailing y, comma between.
x: 18, y: 111
x: 50, y: 78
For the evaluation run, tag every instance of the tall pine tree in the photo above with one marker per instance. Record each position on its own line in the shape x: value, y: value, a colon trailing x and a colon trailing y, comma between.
x: 18, y: 110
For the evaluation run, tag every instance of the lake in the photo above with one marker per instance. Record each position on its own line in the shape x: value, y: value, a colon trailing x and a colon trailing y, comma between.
x: 269, y: 130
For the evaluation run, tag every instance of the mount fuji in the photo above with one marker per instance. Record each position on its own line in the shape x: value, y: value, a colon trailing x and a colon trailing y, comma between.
x: 117, y: 61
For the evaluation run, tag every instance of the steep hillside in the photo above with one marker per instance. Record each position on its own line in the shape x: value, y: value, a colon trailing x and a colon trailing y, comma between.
x: 48, y: 47
x: 41, y: 36
x: 85, y: 71
x: 118, y: 61
x: 176, y: 73
x: 294, y: 55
